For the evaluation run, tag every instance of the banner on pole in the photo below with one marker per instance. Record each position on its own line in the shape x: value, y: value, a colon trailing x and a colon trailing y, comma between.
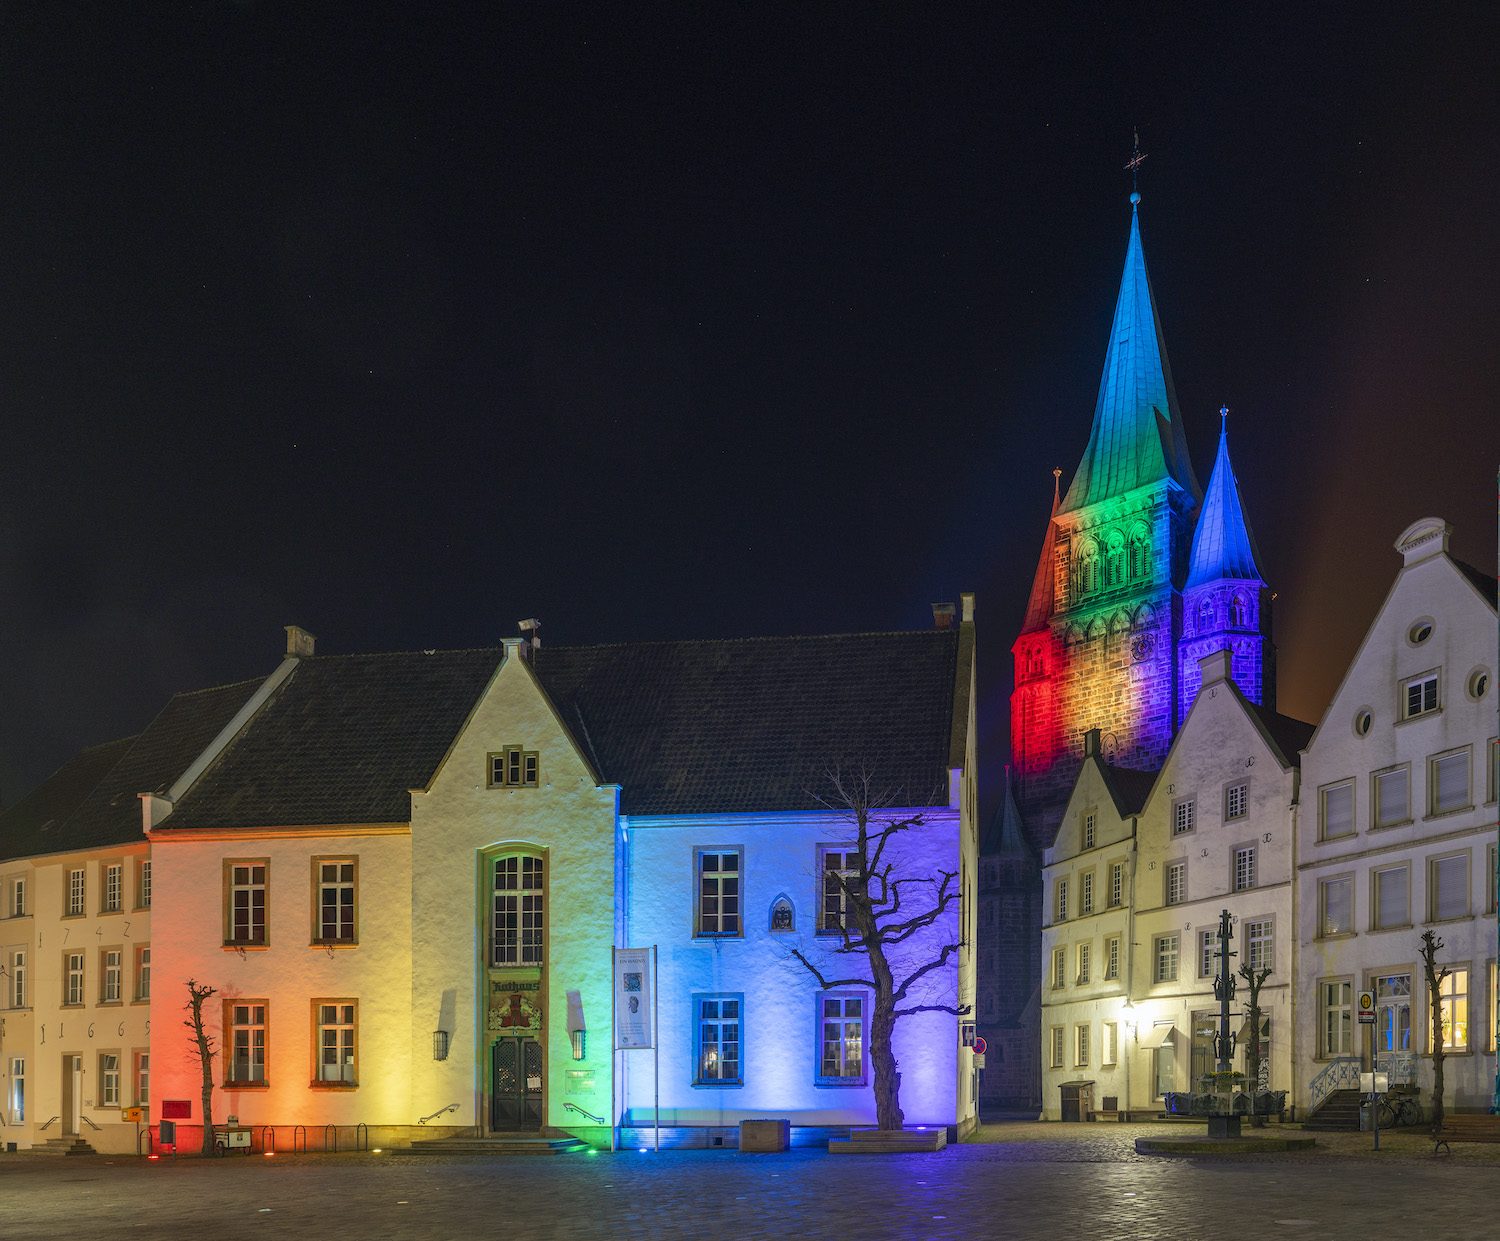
x: 634, y: 986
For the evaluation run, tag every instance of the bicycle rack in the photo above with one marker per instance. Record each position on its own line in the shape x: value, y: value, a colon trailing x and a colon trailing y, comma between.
x: 331, y: 1138
x: 146, y: 1134
x: 268, y: 1139
x: 361, y: 1136
x: 299, y: 1139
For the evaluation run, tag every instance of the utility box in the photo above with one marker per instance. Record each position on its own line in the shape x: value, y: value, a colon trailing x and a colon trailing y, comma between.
x: 765, y: 1136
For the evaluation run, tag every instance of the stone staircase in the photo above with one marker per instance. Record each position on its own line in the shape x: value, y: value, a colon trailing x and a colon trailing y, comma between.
x: 495, y: 1147
x: 1340, y: 1111
x: 63, y: 1146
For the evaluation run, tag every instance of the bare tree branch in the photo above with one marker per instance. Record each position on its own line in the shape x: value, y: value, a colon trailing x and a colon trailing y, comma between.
x: 828, y: 984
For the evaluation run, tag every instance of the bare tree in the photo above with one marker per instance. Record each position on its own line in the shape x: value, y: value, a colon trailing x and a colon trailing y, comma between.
x: 1254, y: 980
x: 1431, y: 946
x: 882, y: 908
x: 203, y: 1048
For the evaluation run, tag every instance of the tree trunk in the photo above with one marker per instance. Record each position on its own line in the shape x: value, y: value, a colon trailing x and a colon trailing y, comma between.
x: 888, y: 1113
x: 1438, y: 1054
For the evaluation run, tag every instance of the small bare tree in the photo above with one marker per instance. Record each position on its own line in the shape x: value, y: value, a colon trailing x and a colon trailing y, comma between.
x: 204, y: 1050
x: 1255, y: 979
x: 1431, y: 946
x: 881, y: 909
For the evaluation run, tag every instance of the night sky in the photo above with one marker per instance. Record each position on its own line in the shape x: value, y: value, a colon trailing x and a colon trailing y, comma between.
x: 696, y: 321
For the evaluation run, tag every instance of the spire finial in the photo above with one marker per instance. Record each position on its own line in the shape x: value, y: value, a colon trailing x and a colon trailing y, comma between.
x: 1056, y: 485
x: 1223, y: 419
x: 1133, y: 167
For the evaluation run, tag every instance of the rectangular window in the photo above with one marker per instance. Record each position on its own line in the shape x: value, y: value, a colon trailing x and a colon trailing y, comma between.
x: 246, y: 1022
x: 18, y: 995
x: 1335, y: 907
x: 1419, y: 695
x: 111, y: 973
x: 1244, y: 868
x: 1086, y: 893
x: 1237, y: 800
x: 1055, y: 1060
x: 1260, y: 943
x: 109, y: 1079
x: 1184, y: 817
x: 1176, y: 883
x: 839, y: 868
x: 17, y: 1091
x: 1084, y: 952
x: 1111, y: 1043
x: 1336, y: 1035
x: 1059, y: 967
x: 1490, y: 880
x: 1112, y: 957
x: 1088, y: 830
x: 1453, y: 1005
x: 143, y: 885
x: 335, y: 900
x: 1494, y: 999
x: 1448, y: 782
x: 841, y: 1059
x: 719, y: 893
x: 1116, y: 883
x: 1336, y: 810
x: 1392, y: 796
x: 1164, y: 950
x: 73, y: 978
x: 518, y: 911
x: 1448, y: 887
x: 1060, y: 907
x: 75, y: 892
x: 18, y: 897
x: 1080, y: 1046
x: 718, y: 1040
x: 143, y: 972
x: 1208, y: 953
x: 247, y: 902
x: 336, y: 1042
x: 142, y: 1078
x: 514, y: 767
x: 1392, y: 897
x: 114, y: 888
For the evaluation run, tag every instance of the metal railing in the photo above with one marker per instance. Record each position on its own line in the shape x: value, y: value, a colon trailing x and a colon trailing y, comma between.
x: 452, y: 1107
x: 1401, y: 1065
x: 573, y: 1107
x: 91, y: 1124
x: 1340, y: 1074
x: 44, y: 1127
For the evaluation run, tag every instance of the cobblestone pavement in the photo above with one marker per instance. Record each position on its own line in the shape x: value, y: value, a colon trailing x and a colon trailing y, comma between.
x: 1023, y: 1180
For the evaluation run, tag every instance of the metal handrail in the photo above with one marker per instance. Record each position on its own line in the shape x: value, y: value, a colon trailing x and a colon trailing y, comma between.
x: 573, y: 1107
x: 91, y: 1124
x: 1340, y: 1074
x: 51, y: 1122
x: 452, y: 1107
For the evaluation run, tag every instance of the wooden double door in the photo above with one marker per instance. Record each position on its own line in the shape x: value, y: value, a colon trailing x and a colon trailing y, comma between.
x: 516, y: 1084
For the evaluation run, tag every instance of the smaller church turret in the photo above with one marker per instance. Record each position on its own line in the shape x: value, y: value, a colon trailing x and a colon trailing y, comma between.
x: 1226, y: 605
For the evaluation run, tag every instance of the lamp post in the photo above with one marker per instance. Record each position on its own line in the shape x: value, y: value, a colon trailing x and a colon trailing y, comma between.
x: 1228, y: 1125
x: 1129, y: 1014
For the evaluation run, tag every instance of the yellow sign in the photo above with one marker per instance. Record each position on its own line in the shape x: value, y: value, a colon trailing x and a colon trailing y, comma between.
x: 136, y: 1114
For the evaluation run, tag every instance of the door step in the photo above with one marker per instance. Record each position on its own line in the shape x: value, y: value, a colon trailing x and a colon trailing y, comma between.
x: 527, y: 1144
x: 64, y: 1146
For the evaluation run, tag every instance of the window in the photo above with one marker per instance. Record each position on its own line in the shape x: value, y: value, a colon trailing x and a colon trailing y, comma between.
x: 246, y: 1023
x: 109, y: 1079
x: 143, y: 972
x: 1176, y: 883
x: 114, y: 888
x: 1080, y: 1046
x: 1362, y: 721
x: 1111, y: 1043
x: 1116, y: 883
x: 1112, y: 957
x: 1448, y: 782
x: 1453, y: 1007
x: 1059, y: 967
x: 1164, y: 950
x: 335, y: 900
x: 1391, y: 896
x: 18, y: 897
x: 1336, y: 1033
x: 1208, y: 953
x: 1420, y: 632
x: 1184, y: 815
x: 73, y: 978
x: 1237, y: 800
x: 1448, y: 887
x: 840, y: 870
x: 1392, y: 796
x: 1490, y: 878
x: 1060, y: 907
x: 247, y: 902
x: 1478, y: 683
x: 18, y: 978
x: 1419, y: 695
x: 719, y: 894
x: 1083, y: 962
x: 1086, y: 893
x: 1088, y: 830
x: 1336, y: 907
x: 718, y: 1040
x: 1494, y: 998
x: 336, y: 1043
x: 75, y: 893
x: 1336, y: 810
x: 842, y: 1057
x: 142, y: 1078
x: 111, y: 971
x: 1055, y: 1060
x: 514, y: 768
x: 1244, y: 868
x: 143, y: 885
x: 517, y: 911
x: 1260, y: 943
x: 17, y: 1091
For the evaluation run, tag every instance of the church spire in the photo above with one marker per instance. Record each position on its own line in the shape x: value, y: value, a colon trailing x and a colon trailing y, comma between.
x: 1041, y: 603
x: 1137, y: 435
x: 1223, y: 547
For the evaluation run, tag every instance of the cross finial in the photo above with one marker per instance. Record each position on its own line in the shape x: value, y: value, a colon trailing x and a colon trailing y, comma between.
x: 1133, y: 167
x: 1223, y: 416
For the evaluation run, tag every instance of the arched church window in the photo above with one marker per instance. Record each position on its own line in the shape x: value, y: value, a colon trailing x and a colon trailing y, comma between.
x: 1144, y: 616
x: 1239, y: 612
x: 1206, y: 616
x: 1088, y: 568
x: 1140, y: 553
x: 1114, y: 560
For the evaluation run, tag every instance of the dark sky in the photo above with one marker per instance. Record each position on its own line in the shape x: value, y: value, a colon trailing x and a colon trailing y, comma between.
x: 404, y: 323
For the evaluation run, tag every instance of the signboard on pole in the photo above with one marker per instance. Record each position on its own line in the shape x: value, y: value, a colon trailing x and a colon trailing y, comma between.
x: 634, y: 989
x: 1366, y: 1008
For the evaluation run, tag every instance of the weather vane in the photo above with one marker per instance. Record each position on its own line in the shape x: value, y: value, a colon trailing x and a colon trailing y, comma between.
x: 1133, y: 164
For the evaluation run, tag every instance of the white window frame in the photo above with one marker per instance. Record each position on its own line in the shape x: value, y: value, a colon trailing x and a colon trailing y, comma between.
x: 248, y: 1039
x: 1208, y: 952
x: 1085, y: 963
x: 337, y: 909
x: 109, y: 1079
x: 851, y: 1074
x: 1346, y: 786
x: 16, y: 1095
x: 1109, y: 1047
x: 73, y: 978
x: 1166, y: 957
x: 834, y: 875
x: 1452, y: 998
x: 1184, y: 816
x: 1324, y: 887
x: 1380, y: 919
x: 1428, y: 703
x: 111, y: 975
x: 1059, y: 967
x: 1236, y: 800
x: 1244, y: 876
x: 1332, y: 1006
x: 18, y: 896
x: 1174, y: 882
x: 76, y: 893
x: 518, y: 909
x: 143, y: 884
x: 143, y: 1079
x: 719, y: 1023
x: 112, y: 888
x: 1260, y: 943
x: 514, y: 767
x: 1060, y: 901
x: 1056, y: 1058
x: 142, y: 973
x: 1111, y: 958
x: 1086, y: 893
x: 336, y: 1042
x: 1378, y: 780
x: 1090, y: 822
x: 1116, y: 884
x: 1081, y: 1045
x: 248, y: 883
x: 18, y: 996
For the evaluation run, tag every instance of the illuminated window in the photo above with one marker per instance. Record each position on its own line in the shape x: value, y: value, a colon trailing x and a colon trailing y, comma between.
x: 143, y: 888
x: 18, y: 978
x: 1392, y: 796
x: 17, y: 1091
x: 246, y: 1023
x: 1111, y: 1046
x: 1453, y: 1007
x: 1336, y: 1033
x: 142, y: 1078
x: 1335, y: 907
x: 839, y: 867
x: 1116, y: 883
x: 1448, y: 887
x: 246, y: 902
x: 841, y: 1021
x: 1237, y: 800
x: 1391, y: 893
x: 1112, y: 957
x: 1336, y: 810
x: 717, y: 1040
x: 1260, y: 943
x: 1059, y: 967
x: 114, y: 888
x: 1448, y: 782
x: 1086, y: 893
x: 1080, y: 1046
x: 336, y: 1042
x: 1176, y: 883
x: 517, y: 926
x: 1244, y: 868
x: 111, y: 973
x: 109, y: 1079
x: 1060, y: 908
x: 336, y: 900
x: 1184, y: 817
x: 1084, y: 953
x: 513, y: 768
x: 73, y: 978
x: 75, y: 893
x: 1208, y: 953
x: 1055, y: 1060
x: 1419, y: 695
x: 1164, y: 952
x: 143, y: 972
x: 1494, y: 999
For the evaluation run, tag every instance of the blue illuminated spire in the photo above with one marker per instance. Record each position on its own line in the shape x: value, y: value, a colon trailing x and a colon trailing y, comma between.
x: 1223, y: 547
x: 1137, y: 435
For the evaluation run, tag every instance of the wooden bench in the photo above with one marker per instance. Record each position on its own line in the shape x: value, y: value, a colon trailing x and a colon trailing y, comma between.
x: 1466, y: 1127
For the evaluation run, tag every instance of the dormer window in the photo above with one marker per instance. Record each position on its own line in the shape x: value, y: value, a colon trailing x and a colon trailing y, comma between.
x: 1419, y: 695
x: 513, y: 767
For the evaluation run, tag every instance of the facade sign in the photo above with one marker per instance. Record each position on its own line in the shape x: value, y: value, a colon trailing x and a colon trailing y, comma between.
x: 634, y: 983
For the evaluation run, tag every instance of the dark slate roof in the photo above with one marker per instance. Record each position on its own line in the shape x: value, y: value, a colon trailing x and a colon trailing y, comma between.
x: 1289, y: 735
x: 92, y: 800
x: 757, y: 723
x: 1484, y: 582
x: 341, y: 740
x: 1128, y: 787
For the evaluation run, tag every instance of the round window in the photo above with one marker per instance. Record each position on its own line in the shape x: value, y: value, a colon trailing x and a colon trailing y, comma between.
x: 1479, y: 682
x: 1420, y: 632
x: 1362, y: 721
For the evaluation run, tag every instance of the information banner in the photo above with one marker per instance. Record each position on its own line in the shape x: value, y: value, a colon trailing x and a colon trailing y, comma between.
x: 633, y: 992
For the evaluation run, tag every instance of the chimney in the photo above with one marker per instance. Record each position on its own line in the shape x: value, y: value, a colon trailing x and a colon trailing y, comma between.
x: 967, y: 612
x: 1091, y: 743
x: 299, y: 643
x: 942, y: 615
x: 531, y: 636
x: 1214, y: 667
